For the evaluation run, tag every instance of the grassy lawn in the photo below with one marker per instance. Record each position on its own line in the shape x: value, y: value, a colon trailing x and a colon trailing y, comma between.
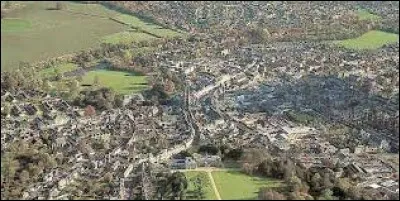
x: 369, y: 40
x: 365, y: 15
x: 122, y: 82
x: 35, y: 32
x: 62, y: 68
x: 234, y: 185
x: 209, y: 192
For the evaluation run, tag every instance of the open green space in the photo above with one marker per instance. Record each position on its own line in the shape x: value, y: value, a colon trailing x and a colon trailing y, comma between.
x: 36, y: 31
x: 234, y: 185
x: 365, y: 15
x: 61, y: 68
x: 208, y: 190
x: 121, y: 82
x: 14, y: 25
x: 370, y: 40
x: 126, y: 37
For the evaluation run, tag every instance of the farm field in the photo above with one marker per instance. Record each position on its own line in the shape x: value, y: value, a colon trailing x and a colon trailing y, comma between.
x: 126, y: 37
x: 369, y: 40
x: 209, y: 192
x: 43, y: 32
x: 234, y: 185
x: 121, y: 82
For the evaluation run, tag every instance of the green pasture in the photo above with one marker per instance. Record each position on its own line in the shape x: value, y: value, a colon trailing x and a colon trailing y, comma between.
x: 36, y: 32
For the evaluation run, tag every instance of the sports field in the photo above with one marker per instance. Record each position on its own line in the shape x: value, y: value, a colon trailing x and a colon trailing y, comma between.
x: 36, y: 31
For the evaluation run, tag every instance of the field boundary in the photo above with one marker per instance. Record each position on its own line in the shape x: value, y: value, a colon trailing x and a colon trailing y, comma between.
x: 117, y: 21
x: 214, y: 186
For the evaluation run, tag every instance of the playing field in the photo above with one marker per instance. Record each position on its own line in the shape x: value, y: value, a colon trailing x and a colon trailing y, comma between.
x: 369, y: 40
x: 121, y: 82
x: 36, y: 31
x: 209, y: 192
x: 234, y: 185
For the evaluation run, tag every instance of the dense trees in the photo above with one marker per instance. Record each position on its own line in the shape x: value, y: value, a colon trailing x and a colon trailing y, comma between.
x: 198, y: 188
x: 268, y: 194
x: 209, y: 149
x: 300, y: 183
x: 172, y: 186
x: 23, y: 164
x: 102, y: 99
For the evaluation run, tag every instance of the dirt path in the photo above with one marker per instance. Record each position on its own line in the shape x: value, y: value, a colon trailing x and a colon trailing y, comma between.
x: 213, y: 185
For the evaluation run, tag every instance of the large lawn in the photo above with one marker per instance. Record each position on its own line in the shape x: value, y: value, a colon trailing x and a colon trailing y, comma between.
x: 209, y: 192
x: 369, y: 40
x: 122, y: 82
x: 37, y: 32
x: 234, y: 185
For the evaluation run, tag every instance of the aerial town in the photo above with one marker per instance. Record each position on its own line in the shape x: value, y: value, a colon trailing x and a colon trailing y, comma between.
x: 223, y: 100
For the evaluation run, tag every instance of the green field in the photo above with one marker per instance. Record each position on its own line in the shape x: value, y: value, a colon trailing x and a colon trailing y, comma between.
x: 35, y: 32
x: 234, y: 185
x: 122, y: 82
x: 126, y: 37
x: 62, y: 68
x: 209, y: 192
x: 369, y: 40
x: 15, y: 25
x: 365, y: 15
